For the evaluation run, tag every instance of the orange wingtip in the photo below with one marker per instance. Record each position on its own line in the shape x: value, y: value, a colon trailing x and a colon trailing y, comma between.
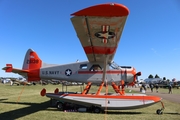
x: 106, y: 10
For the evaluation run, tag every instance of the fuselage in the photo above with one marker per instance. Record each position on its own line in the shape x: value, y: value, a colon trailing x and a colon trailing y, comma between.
x: 87, y: 72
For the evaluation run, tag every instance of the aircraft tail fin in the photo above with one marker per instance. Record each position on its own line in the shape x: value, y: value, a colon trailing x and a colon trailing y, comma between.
x: 31, y: 66
x: 31, y: 60
x: 32, y: 63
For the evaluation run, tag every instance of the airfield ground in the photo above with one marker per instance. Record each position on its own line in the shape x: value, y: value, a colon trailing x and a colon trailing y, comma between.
x: 30, y: 105
x: 163, y: 93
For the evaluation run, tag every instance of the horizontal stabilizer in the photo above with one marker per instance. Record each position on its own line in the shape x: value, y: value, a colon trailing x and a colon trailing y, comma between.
x: 8, y: 67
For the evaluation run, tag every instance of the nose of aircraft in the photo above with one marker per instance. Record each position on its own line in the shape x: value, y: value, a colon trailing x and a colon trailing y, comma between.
x: 136, y: 76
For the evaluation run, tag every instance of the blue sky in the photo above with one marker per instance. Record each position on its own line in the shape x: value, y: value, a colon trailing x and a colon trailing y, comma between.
x: 150, y: 41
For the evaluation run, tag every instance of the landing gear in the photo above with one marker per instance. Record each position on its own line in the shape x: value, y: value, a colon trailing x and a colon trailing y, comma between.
x: 60, y: 106
x: 159, y: 111
x: 96, y: 110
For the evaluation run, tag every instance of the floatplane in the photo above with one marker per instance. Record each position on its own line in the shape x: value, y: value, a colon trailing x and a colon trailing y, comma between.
x: 99, y: 29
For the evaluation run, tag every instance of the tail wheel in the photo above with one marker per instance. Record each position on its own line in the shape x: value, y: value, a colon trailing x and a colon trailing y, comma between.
x: 159, y: 111
x: 60, y: 106
x: 97, y: 110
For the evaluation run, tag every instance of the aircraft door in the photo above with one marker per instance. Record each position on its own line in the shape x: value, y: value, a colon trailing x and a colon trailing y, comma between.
x: 96, y: 73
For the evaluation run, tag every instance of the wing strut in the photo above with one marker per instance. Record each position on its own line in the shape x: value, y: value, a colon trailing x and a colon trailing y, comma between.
x: 104, y: 75
x: 105, y: 67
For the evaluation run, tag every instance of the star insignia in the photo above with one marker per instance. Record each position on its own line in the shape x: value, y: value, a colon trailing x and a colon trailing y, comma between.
x: 105, y: 34
x: 68, y: 72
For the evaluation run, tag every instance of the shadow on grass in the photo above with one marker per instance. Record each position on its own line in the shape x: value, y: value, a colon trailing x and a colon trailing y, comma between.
x: 35, y: 107
x: 124, y: 113
x: 172, y: 113
x: 21, y: 112
x: 108, y: 112
x: 3, y: 99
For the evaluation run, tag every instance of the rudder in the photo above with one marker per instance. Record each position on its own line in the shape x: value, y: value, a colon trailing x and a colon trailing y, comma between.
x: 31, y: 60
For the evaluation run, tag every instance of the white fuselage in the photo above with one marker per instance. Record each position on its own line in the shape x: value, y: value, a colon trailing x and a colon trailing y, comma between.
x: 83, y: 72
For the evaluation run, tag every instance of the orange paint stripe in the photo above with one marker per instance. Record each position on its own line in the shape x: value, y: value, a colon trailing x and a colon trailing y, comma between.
x: 154, y: 98
x: 108, y: 72
x: 33, y: 75
x: 34, y: 69
x: 99, y: 50
x: 106, y: 10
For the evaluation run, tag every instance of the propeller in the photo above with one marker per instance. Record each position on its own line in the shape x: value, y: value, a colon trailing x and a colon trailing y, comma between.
x: 136, y: 76
x: 125, y: 76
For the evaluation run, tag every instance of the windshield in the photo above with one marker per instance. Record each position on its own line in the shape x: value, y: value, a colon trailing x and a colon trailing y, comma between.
x: 114, y: 65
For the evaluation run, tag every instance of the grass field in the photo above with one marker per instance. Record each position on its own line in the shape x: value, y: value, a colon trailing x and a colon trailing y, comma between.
x: 30, y: 105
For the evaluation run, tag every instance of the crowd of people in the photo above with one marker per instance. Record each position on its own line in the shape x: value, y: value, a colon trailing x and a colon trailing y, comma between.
x: 152, y: 86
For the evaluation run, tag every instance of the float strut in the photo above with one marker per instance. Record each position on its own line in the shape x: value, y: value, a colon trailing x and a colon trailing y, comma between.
x: 122, y: 83
x: 100, y: 88
x: 116, y: 89
x: 86, y: 90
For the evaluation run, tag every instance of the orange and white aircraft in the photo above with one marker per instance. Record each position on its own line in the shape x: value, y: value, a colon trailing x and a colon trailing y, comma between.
x: 99, y: 29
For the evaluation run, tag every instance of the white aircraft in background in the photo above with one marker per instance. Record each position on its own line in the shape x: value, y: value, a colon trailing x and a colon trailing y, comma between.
x: 153, y: 80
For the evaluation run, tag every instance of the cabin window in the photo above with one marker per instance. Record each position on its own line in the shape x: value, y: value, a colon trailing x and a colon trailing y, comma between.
x: 95, y: 68
x: 83, y: 66
x: 128, y: 67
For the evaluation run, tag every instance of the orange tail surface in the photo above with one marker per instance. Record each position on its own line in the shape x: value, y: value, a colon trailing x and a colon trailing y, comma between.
x: 9, y: 68
x: 32, y: 63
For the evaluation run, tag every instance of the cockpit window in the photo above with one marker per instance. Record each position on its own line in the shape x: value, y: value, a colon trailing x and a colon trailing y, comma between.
x: 95, y: 68
x: 128, y: 67
x: 114, y: 65
x: 83, y: 66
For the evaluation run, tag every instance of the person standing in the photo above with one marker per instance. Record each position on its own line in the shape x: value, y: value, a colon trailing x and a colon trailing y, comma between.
x: 157, y: 87
x: 151, y: 86
x: 11, y: 82
x: 170, y: 88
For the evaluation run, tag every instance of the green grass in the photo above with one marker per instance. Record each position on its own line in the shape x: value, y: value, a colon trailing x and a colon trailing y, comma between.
x: 30, y: 105
x: 166, y: 90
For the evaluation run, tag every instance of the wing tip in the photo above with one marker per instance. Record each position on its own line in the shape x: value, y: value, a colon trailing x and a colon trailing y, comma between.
x: 106, y: 10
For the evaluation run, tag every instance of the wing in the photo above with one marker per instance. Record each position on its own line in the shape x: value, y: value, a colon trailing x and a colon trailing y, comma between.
x: 99, y: 29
